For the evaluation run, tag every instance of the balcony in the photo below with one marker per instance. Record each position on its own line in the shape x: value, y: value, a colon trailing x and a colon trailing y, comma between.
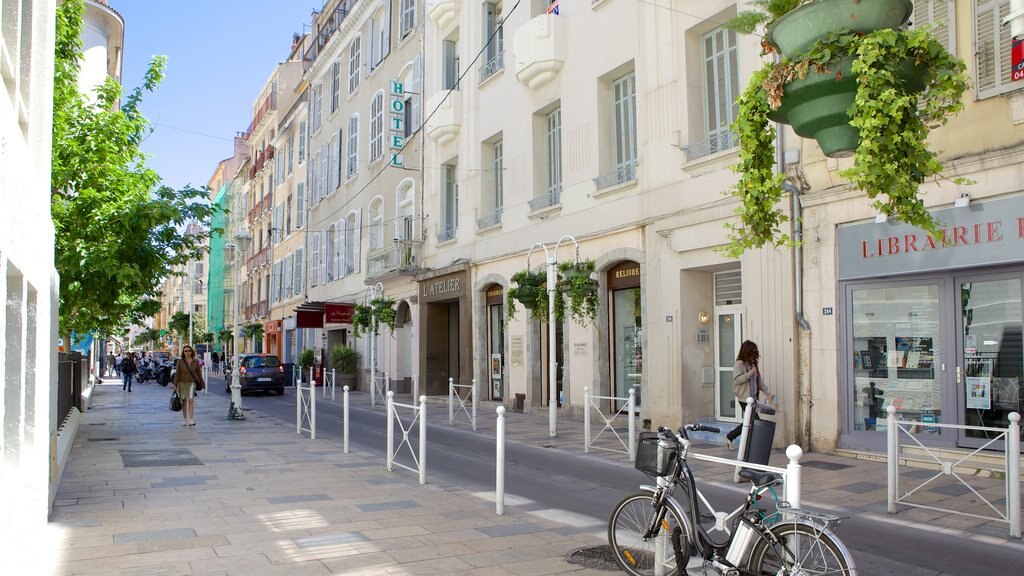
x: 491, y: 219
x: 402, y: 258
x: 443, y: 126
x: 260, y: 112
x: 621, y: 175
x: 443, y: 12
x: 551, y: 198
x: 492, y: 66
x: 539, y: 50
x: 447, y: 234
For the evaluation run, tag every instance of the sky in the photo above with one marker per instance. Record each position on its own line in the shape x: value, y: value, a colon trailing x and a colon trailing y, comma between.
x: 220, y: 55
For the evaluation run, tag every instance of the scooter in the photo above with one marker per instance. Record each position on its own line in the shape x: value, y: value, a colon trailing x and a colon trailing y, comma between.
x: 163, y: 374
x: 145, y: 373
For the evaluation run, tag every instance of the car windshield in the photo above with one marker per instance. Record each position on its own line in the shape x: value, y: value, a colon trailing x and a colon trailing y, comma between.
x: 262, y: 362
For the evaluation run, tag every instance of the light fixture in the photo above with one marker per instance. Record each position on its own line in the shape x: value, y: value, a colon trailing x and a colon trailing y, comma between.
x: 881, y: 218
x: 703, y: 317
x: 963, y: 201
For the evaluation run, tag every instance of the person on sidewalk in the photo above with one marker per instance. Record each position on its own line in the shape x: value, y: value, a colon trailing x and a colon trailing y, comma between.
x: 127, y: 371
x: 746, y: 382
x: 188, y: 379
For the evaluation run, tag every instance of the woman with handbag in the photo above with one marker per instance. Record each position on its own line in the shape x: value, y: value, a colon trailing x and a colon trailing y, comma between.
x: 188, y: 379
x: 746, y: 382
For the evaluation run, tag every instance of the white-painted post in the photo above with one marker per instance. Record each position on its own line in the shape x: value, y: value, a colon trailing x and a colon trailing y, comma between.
x: 387, y: 381
x: 312, y: 409
x: 892, y: 449
x: 451, y: 401
x: 345, y: 443
x: 298, y: 406
x: 473, y: 393
x: 415, y: 386
x: 793, y: 474
x: 423, y: 438
x: 586, y: 419
x: 391, y: 432
x: 552, y: 349
x: 748, y: 416
x: 499, y: 469
x: 1013, y: 474
x: 632, y: 425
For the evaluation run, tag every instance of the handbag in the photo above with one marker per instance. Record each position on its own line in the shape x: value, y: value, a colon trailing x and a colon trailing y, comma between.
x: 199, y: 382
x: 175, y: 402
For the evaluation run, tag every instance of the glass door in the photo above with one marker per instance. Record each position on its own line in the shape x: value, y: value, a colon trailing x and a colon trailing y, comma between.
x: 728, y: 337
x: 989, y: 356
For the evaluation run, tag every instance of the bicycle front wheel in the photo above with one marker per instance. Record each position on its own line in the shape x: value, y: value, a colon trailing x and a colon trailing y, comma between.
x: 639, y: 556
x: 802, y: 549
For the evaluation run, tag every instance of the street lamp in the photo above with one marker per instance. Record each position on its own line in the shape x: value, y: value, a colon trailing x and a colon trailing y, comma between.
x: 552, y: 348
x: 373, y: 293
x: 239, y: 246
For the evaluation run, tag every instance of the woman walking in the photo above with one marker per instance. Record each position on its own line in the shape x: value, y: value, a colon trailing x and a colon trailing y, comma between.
x: 746, y: 382
x: 188, y: 379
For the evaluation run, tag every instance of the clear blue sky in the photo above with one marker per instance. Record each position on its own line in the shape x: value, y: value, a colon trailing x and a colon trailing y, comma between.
x: 220, y: 54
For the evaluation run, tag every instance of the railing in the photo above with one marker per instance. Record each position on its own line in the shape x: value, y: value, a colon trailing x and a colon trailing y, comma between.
x: 305, y: 406
x: 621, y: 175
x: 492, y: 66
x: 420, y: 414
x: 329, y: 380
x: 380, y: 387
x: 403, y: 256
x: 269, y: 103
x: 1009, y: 437
x: 72, y: 378
x: 592, y: 403
x: 712, y: 144
x: 455, y: 395
x: 552, y: 197
x: 492, y: 219
x: 448, y: 233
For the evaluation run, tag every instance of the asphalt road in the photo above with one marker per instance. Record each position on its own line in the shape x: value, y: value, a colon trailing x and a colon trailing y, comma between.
x: 581, y: 490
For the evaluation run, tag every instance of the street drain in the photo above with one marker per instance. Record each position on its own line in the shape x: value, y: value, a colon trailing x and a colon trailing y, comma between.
x: 598, y: 558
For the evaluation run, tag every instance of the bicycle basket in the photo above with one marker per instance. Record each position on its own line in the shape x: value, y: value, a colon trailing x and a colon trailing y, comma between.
x: 647, y: 460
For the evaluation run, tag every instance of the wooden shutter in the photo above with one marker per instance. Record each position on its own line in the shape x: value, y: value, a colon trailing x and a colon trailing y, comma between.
x: 385, y: 33
x: 942, y: 15
x: 992, y: 41
x: 417, y: 94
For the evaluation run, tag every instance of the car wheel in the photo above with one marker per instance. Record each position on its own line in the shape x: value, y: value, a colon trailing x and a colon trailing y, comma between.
x: 280, y: 391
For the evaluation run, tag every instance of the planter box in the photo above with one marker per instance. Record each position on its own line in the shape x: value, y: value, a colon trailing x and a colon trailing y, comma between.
x: 795, y: 32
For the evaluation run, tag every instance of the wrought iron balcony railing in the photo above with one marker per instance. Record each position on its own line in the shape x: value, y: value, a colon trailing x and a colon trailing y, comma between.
x: 621, y: 175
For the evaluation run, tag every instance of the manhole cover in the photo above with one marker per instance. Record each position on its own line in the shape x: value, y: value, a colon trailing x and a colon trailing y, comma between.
x: 598, y: 558
x: 159, y: 458
x: 821, y: 465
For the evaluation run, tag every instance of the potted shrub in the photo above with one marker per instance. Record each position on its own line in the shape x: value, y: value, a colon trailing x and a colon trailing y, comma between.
x: 849, y: 77
x: 345, y: 360
x: 581, y: 290
x: 305, y: 362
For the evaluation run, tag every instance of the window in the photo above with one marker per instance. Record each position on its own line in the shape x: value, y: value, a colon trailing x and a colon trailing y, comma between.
x: 291, y: 154
x: 554, y: 155
x: 300, y: 208
x: 316, y: 107
x: 451, y: 65
x: 302, y: 142
x: 286, y: 280
x: 405, y: 198
x: 411, y: 81
x: 941, y: 15
x: 721, y: 89
x: 353, y: 65
x: 352, y: 161
x: 375, y: 221
x: 298, y: 271
x: 275, y: 284
x: 329, y: 254
x: 992, y: 56
x: 624, y: 103
x: 407, y: 21
x: 383, y: 30
x: 352, y: 223
x: 491, y: 202
x: 333, y: 164
x: 450, y: 205
x: 314, y: 261
x: 335, y: 86
x: 498, y: 174
x: 288, y: 213
x: 377, y: 126
x: 278, y: 222
x: 494, y: 40
x: 314, y: 179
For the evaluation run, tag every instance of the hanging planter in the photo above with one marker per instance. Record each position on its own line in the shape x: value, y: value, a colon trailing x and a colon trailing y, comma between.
x: 383, y: 313
x: 857, y: 85
x: 581, y: 290
x: 527, y: 291
x: 362, y: 319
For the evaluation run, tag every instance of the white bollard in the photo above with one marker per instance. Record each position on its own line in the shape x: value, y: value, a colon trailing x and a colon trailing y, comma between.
x: 387, y: 381
x: 451, y: 401
x: 632, y: 425
x: 415, y: 386
x: 298, y: 407
x: 474, y: 404
x: 1013, y: 474
x: 892, y: 449
x: 499, y: 469
x: 793, y: 474
x: 423, y: 438
x: 312, y: 409
x: 391, y: 431
x: 748, y: 417
x: 345, y: 442
x: 586, y: 419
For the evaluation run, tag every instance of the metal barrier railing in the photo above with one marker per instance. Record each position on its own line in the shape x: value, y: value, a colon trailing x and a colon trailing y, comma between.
x: 455, y: 395
x: 206, y: 379
x: 305, y: 406
x: 592, y: 403
x: 791, y: 474
x: 420, y: 415
x: 379, y: 388
x: 751, y: 407
x: 329, y: 380
x: 1009, y: 437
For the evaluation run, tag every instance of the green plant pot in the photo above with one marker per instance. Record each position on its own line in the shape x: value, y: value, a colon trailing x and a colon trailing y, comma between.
x: 795, y: 32
x: 816, y: 106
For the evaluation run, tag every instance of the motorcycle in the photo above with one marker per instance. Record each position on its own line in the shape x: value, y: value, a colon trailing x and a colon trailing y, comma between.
x: 145, y: 373
x: 163, y: 374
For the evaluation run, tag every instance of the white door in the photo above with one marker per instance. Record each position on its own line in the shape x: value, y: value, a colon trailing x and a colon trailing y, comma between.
x: 728, y: 337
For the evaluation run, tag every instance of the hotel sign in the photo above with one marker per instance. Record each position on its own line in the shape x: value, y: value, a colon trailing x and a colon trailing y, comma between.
x: 982, y: 234
x: 396, y: 109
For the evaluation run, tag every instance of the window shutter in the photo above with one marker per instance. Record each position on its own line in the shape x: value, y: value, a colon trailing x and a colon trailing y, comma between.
x: 314, y: 264
x: 279, y: 217
x: 298, y: 270
x: 286, y: 279
x: 358, y: 241
x: 940, y: 14
x: 370, y: 44
x: 992, y: 41
x: 341, y: 140
x: 385, y: 33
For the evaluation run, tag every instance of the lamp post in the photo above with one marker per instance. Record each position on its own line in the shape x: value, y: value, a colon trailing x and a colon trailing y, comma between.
x: 373, y: 293
x: 234, y: 251
x: 552, y: 348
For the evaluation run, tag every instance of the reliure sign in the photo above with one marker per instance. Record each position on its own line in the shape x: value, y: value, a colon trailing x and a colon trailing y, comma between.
x: 983, y: 233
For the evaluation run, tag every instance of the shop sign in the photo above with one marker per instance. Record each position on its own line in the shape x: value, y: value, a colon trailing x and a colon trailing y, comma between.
x: 624, y: 275
x: 272, y: 327
x: 339, y: 313
x: 309, y: 319
x: 443, y: 287
x: 985, y: 233
x: 495, y: 295
x: 1017, y: 58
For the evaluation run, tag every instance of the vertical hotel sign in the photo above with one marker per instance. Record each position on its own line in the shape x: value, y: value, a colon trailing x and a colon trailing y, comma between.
x: 397, y: 131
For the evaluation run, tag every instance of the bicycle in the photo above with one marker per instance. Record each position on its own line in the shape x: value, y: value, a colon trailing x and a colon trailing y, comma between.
x: 789, y: 542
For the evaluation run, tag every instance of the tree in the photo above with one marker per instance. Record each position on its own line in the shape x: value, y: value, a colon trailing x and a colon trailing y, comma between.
x: 179, y: 324
x: 118, y: 231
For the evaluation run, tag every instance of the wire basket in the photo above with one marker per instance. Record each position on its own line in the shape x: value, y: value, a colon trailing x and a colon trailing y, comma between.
x: 647, y: 460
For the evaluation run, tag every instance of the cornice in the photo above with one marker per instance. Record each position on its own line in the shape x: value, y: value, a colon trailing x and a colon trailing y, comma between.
x: 339, y: 40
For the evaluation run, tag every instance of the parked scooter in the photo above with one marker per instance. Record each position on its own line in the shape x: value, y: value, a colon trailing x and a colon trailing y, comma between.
x: 163, y: 374
x: 145, y: 373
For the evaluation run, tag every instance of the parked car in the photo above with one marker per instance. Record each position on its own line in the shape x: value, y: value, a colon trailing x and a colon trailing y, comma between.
x: 259, y: 372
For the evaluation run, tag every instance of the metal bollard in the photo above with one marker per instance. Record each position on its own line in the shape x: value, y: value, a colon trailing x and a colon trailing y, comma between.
x: 423, y: 438
x: 632, y: 425
x: 892, y: 450
x: 793, y: 475
x: 586, y: 419
x: 391, y: 431
x: 298, y: 407
x: 345, y: 442
x: 499, y: 469
x: 451, y: 401
x: 474, y: 404
x: 1013, y: 474
x: 748, y: 417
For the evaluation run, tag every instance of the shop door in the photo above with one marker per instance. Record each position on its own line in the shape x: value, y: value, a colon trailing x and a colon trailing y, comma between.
x: 989, y: 356
x: 728, y: 337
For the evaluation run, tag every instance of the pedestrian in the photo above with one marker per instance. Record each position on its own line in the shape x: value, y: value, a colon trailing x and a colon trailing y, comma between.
x: 117, y: 364
x: 214, y: 358
x: 127, y: 371
x: 746, y: 382
x: 110, y: 364
x: 188, y: 379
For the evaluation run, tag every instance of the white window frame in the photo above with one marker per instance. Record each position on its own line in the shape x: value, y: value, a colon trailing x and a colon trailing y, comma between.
x: 375, y: 224
x: 407, y: 22
x: 297, y: 275
x: 335, y: 86
x: 354, y: 57
x: 302, y: 142
x: 314, y: 260
x: 352, y: 156
x: 332, y: 166
x: 553, y: 152
x: 498, y: 174
x: 722, y: 107
x: 377, y: 126
x: 300, y: 201
x: 450, y: 209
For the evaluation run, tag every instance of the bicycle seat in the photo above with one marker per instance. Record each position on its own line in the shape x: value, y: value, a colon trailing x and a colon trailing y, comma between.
x: 761, y: 479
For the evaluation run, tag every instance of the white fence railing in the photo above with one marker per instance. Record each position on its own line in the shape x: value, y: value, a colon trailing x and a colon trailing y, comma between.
x: 206, y: 378
x: 592, y: 403
x: 305, y: 407
x: 791, y: 475
x: 419, y: 414
x: 329, y: 380
x: 499, y: 468
x: 379, y: 388
x: 1008, y: 437
x: 455, y: 395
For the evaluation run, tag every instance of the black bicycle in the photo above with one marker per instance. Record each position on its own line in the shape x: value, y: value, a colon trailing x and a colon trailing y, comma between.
x: 652, y: 534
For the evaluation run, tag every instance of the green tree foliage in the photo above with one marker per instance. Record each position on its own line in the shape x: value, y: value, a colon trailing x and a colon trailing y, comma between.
x: 118, y: 231
x: 179, y: 324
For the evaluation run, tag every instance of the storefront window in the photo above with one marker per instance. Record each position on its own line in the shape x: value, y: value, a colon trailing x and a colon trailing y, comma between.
x: 896, y: 343
x: 628, y: 349
x: 496, y: 338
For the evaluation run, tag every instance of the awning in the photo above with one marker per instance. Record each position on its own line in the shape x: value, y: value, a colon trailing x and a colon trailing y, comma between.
x: 309, y: 315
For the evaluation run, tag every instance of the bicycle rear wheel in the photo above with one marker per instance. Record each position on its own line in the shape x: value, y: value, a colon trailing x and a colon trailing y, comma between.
x: 638, y: 555
x: 803, y: 549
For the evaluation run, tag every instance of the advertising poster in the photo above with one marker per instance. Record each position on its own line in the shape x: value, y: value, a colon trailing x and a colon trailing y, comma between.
x: 979, y: 392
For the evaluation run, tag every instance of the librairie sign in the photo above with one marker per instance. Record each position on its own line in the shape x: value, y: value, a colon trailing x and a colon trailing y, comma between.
x: 984, y: 233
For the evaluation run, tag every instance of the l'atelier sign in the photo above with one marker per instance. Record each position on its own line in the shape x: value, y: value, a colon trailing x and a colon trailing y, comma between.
x: 982, y: 234
x: 443, y: 287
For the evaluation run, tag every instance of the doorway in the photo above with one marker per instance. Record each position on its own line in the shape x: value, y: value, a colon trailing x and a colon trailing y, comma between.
x: 728, y: 337
x: 441, y: 346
